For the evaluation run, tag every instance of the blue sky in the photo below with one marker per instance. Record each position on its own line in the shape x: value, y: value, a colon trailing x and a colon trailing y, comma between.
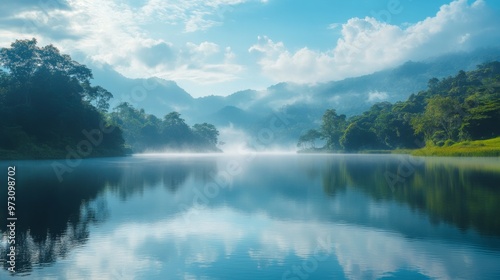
x: 222, y: 46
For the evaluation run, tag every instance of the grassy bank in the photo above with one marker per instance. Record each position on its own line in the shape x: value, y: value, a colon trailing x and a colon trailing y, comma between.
x: 478, y: 148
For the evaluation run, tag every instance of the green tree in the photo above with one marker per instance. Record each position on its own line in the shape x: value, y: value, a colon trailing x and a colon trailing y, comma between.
x: 441, y: 120
x: 24, y: 59
x: 356, y: 138
x: 433, y: 84
x: 147, y: 132
x: 308, y: 140
x: 483, y: 117
x: 464, y: 107
x: 98, y: 97
x: 175, y: 129
x: 332, y: 128
x: 43, y: 95
x: 207, y: 133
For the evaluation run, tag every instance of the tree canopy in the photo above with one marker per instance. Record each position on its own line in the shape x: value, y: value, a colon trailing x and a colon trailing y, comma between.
x: 143, y: 132
x: 48, y: 108
x: 464, y: 107
x: 47, y: 105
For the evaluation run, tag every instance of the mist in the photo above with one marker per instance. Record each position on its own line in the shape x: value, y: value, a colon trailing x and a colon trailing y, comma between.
x: 235, y: 141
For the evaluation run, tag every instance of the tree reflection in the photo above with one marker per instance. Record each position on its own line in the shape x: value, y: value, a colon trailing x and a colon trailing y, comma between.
x: 171, y: 173
x: 466, y: 196
x: 54, y: 217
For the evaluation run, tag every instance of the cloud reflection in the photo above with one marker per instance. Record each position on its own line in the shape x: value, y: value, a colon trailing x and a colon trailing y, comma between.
x: 176, y: 247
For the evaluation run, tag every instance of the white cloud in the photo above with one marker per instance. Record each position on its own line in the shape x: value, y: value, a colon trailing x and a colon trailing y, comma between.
x: 211, y: 235
x: 229, y: 55
x: 367, y: 45
x: 280, y: 64
x: 196, y: 15
x: 376, y: 96
x: 334, y: 25
x: 114, y: 33
x: 197, y: 22
x: 149, y: 39
x: 205, y: 48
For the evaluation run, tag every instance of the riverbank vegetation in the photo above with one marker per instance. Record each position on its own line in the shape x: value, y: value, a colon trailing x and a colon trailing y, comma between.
x: 47, y: 106
x: 490, y: 147
x: 49, y: 109
x: 445, y: 119
x: 144, y: 132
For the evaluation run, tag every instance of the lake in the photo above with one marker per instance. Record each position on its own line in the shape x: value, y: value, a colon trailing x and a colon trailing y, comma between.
x: 255, y: 216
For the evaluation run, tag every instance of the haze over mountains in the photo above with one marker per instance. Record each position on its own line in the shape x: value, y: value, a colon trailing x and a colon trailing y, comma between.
x: 298, y: 106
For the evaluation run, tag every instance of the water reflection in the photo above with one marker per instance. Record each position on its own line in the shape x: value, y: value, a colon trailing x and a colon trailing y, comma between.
x: 282, y: 217
x: 54, y: 216
x: 459, y: 191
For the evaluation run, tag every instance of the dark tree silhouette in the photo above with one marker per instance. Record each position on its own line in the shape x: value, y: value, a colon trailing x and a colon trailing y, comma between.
x: 48, y: 105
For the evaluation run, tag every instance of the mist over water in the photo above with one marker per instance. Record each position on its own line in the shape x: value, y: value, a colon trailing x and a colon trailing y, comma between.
x: 239, y: 141
x: 233, y: 141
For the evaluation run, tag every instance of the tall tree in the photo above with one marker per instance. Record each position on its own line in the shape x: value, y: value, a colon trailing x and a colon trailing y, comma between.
x: 147, y: 132
x: 441, y: 120
x: 206, y: 133
x: 332, y: 128
x: 308, y: 140
x: 49, y: 102
x: 357, y: 137
x: 24, y: 58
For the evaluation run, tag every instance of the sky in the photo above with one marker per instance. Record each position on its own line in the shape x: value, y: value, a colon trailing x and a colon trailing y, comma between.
x: 217, y: 47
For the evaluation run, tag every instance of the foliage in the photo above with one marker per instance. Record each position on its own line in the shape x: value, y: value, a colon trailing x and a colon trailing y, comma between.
x: 206, y: 134
x: 484, y: 148
x: 357, y: 137
x: 440, y: 120
x: 308, y: 140
x: 454, y: 109
x: 47, y: 105
x: 332, y: 128
x: 144, y: 132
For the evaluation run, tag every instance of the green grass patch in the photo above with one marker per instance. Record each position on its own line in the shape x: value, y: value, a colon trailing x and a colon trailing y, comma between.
x: 402, y: 151
x: 478, y: 148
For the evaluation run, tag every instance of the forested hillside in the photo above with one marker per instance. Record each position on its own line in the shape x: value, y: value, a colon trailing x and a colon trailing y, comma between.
x: 49, y: 109
x: 146, y: 132
x: 460, y: 108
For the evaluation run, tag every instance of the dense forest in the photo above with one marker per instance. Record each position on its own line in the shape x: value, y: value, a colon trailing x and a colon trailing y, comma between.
x: 49, y: 109
x: 460, y: 108
x: 145, y: 132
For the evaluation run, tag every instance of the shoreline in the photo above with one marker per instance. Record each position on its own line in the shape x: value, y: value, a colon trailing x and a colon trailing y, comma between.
x: 477, y: 148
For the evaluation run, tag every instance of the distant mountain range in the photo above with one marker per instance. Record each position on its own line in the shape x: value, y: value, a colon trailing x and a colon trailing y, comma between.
x: 303, y: 105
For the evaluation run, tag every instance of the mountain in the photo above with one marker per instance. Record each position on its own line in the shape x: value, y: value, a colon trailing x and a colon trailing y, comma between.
x: 302, y: 104
x: 231, y: 115
x: 156, y: 96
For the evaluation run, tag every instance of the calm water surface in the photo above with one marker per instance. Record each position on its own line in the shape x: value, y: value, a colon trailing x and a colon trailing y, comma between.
x: 256, y: 217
